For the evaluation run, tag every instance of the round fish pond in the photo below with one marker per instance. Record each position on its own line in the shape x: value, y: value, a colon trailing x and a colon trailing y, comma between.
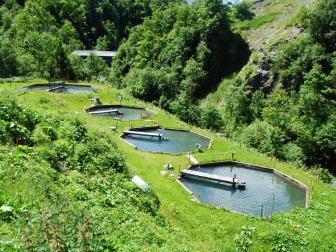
x: 120, y: 112
x: 157, y: 139
x: 266, y: 190
x: 61, y: 88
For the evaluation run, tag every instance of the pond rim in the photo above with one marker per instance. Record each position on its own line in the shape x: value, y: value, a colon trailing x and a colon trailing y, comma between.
x: 59, y: 83
x: 89, y: 109
x: 274, y: 171
x: 160, y: 127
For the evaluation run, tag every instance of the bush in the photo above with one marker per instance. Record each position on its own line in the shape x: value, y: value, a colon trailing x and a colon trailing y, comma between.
x: 243, y: 241
x: 263, y: 137
x: 40, y: 137
x: 242, y: 11
x: 323, y: 174
x: 5, y: 138
x: 211, y: 119
x: 293, y: 153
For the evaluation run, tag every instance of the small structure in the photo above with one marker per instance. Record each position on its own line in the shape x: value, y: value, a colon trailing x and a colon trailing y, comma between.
x: 168, y: 166
x: 96, y: 101
x: 113, y: 128
x: 198, y: 147
x: 87, y: 53
x: 211, y: 177
x: 192, y: 159
x: 140, y: 183
x: 57, y: 89
x: 159, y: 136
x: 242, y: 185
x: 106, y: 55
x: 107, y: 111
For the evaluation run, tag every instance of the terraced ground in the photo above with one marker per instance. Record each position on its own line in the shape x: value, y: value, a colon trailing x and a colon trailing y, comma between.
x: 207, y: 228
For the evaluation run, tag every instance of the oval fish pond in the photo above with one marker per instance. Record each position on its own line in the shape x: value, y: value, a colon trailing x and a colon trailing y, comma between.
x: 171, y: 140
x: 265, y: 191
x: 61, y: 88
x: 120, y: 112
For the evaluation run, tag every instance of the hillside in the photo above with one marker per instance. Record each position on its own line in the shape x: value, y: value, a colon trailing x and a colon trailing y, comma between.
x: 271, y: 24
x: 291, y: 62
x: 254, y: 80
x: 191, y: 225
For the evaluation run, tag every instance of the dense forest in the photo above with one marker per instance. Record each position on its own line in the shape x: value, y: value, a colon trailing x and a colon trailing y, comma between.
x: 174, y: 53
x: 38, y: 36
x: 284, y: 103
x: 66, y: 176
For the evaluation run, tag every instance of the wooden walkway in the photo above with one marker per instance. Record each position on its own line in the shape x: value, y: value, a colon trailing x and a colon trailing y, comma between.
x: 140, y: 133
x: 217, y: 178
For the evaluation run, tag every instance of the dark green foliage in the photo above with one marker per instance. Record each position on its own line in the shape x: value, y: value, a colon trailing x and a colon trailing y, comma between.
x: 243, y: 241
x: 321, y: 23
x: 298, y: 114
x: 242, y: 11
x: 181, y: 51
x: 296, y: 59
x: 323, y: 174
x: 16, y: 123
x: 263, y: 137
x: 38, y: 36
x: 211, y: 119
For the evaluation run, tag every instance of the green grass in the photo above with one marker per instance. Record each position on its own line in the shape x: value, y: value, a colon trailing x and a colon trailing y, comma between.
x: 207, y: 228
x: 257, y: 22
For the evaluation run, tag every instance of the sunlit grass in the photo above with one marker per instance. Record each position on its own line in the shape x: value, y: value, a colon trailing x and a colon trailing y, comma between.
x: 209, y: 228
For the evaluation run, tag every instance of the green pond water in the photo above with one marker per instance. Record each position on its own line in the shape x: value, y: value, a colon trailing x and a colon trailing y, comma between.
x: 265, y: 192
x: 61, y: 88
x: 126, y: 113
x: 176, y: 141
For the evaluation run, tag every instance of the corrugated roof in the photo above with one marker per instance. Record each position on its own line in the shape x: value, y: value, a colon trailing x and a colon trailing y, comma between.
x: 86, y: 53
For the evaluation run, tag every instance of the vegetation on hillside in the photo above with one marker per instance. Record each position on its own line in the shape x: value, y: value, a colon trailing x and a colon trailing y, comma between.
x: 65, y: 179
x: 284, y: 105
x: 65, y: 188
x: 178, y: 55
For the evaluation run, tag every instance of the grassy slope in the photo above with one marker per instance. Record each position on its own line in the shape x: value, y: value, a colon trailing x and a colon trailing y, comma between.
x: 208, y: 228
x: 270, y: 25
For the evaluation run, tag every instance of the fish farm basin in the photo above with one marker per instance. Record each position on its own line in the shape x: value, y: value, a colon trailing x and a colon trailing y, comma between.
x: 61, y: 88
x: 120, y: 112
x: 163, y: 140
x: 266, y: 190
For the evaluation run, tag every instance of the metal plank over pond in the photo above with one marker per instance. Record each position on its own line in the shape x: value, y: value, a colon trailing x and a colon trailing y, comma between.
x: 208, y: 176
x: 148, y: 134
x: 57, y: 89
x: 106, y: 111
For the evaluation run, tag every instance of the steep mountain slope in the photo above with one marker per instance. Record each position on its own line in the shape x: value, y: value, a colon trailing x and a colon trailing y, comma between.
x: 271, y: 24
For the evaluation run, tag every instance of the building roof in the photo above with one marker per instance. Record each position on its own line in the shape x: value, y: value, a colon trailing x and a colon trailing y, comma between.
x: 86, y: 53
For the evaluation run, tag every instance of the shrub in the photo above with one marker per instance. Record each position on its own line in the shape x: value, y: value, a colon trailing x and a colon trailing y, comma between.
x: 263, y: 137
x: 243, y: 241
x: 211, y: 119
x: 293, y: 153
x: 323, y: 174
